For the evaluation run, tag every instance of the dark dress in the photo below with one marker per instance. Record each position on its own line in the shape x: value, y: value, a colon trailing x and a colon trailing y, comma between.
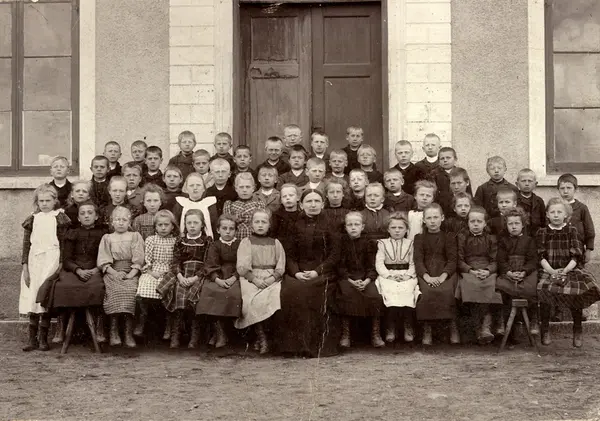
x: 375, y: 223
x: 305, y: 325
x: 282, y: 223
x: 434, y: 254
x: 357, y: 262
x: 220, y: 263
x: 517, y: 254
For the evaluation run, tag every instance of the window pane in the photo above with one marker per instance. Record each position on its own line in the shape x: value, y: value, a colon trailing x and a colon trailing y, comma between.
x: 576, y: 25
x: 5, y: 30
x: 576, y: 135
x: 5, y: 138
x: 576, y: 80
x: 47, y: 29
x: 5, y: 84
x: 45, y: 135
x: 47, y: 84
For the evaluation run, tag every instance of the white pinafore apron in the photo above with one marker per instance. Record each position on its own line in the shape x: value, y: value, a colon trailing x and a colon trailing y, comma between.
x: 203, y: 205
x: 44, y: 258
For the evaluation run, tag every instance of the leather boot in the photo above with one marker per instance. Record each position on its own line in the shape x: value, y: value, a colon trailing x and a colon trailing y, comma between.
x: 390, y: 326
x: 345, y: 340
x: 500, y: 329
x: 577, y: 338
x: 32, y: 340
x: 168, y: 327
x: 195, y: 334
x: 454, y: 333
x: 262, y: 338
x: 221, y: 339
x: 115, y: 339
x: 100, y: 335
x: 409, y: 334
x: 176, y: 329
x: 534, y: 324
x: 139, y: 327
x: 485, y: 334
x: 376, y: 339
x: 43, y: 332
x: 129, y: 340
x: 427, y: 335
x: 59, y: 334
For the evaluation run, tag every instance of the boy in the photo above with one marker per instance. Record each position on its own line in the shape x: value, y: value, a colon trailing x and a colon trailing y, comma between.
x: 132, y: 172
x: 138, y: 153
x: 297, y: 175
x: 99, y: 191
x: 366, y: 158
x: 112, y: 150
x: 292, y: 135
x: 242, y: 157
x: 187, y: 142
x: 201, y: 162
x: 223, y: 142
x: 358, y: 184
x: 153, y: 173
x: 354, y: 137
x: 485, y: 195
x: 222, y: 189
x: 531, y: 203
x: 267, y: 177
x: 274, y: 148
x: 441, y: 174
x: 506, y: 199
x: 581, y: 218
x: 410, y: 172
x: 319, y: 142
x: 395, y: 199
x: 338, y: 161
x: 173, y: 181
x: 315, y: 170
x: 431, y: 147
x: 59, y: 169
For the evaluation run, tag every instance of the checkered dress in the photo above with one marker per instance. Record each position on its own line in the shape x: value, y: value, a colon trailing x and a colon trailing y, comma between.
x: 159, y: 258
x: 189, y: 256
x: 243, y: 210
x: 578, y: 289
x: 144, y: 224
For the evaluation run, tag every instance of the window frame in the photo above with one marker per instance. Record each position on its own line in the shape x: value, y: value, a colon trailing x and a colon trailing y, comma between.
x: 17, y: 169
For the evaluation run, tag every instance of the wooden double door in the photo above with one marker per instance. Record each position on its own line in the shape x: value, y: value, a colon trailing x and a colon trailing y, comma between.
x: 314, y: 66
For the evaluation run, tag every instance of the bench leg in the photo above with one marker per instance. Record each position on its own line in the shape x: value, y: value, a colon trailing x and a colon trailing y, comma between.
x: 509, y: 325
x: 69, y: 333
x: 528, y: 327
x: 92, y: 326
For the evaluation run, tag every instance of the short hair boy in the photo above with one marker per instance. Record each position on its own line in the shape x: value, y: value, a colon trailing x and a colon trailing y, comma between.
x: 355, y: 138
x: 187, y: 142
x: 431, y: 147
x: 485, y: 196
x: 243, y: 158
x: 223, y: 143
x: 138, y: 153
x: 358, y: 183
x: 506, y: 199
x: 441, y: 174
x: 532, y: 204
x: 99, y: 190
x: 410, y: 172
x: 201, y: 162
x: 59, y: 170
x: 274, y: 149
x: 292, y: 135
x: 112, y: 151
x: 395, y: 199
x: 315, y: 170
x: 153, y: 174
x: 132, y: 172
x: 222, y: 189
x: 297, y: 174
x: 338, y: 162
x: 267, y: 193
x: 319, y: 142
x: 366, y: 158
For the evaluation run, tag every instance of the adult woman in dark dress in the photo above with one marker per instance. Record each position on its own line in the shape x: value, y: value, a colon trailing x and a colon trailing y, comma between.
x: 305, y: 325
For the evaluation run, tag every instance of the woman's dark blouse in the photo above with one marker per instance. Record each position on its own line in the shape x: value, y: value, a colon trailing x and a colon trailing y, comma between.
x: 81, y: 248
x: 312, y: 245
x: 357, y: 259
x: 522, y: 245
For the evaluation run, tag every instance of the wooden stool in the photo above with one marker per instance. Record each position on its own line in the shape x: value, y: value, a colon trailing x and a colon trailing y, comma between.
x: 516, y: 304
x: 90, y: 324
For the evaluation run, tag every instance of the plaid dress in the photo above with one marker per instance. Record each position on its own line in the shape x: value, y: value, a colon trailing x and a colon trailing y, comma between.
x: 189, y: 255
x: 243, y: 210
x: 144, y: 224
x: 578, y: 289
x: 159, y: 257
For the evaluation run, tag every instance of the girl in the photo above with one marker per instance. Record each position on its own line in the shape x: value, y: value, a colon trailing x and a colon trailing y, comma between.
x: 117, y: 190
x: 563, y: 281
x: 261, y: 265
x: 80, y: 193
x: 152, y: 199
x: 435, y: 263
x: 120, y: 258
x: 424, y: 195
x: 194, y: 188
x: 397, y: 280
x: 159, y: 257
x: 182, y: 284
x: 461, y: 203
x: 244, y: 207
x: 288, y: 213
x: 334, y: 211
x: 477, y: 265
x: 374, y: 215
x: 517, y: 264
x: 44, y: 233
x: 80, y: 282
x: 357, y: 295
x: 221, y: 297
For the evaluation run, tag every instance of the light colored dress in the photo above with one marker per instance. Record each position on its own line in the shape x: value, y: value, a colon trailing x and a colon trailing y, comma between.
x: 43, y: 260
x: 259, y: 257
x: 415, y: 224
x: 159, y: 258
x: 122, y: 252
x: 395, y: 257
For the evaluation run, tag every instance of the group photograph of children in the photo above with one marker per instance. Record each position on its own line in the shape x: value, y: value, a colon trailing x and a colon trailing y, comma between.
x: 303, y: 254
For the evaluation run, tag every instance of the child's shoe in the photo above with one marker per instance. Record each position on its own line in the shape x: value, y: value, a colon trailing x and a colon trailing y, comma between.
x: 115, y: 339
x: 454, y: 333
x: 376, y: 340
x: 43, y: 339
x: 534, y: 326
x: 129, y: 340
x: 345, y: 340
x: 546, y: 340
x: 485, y: 334
x: 221, y: 339
x: 32, y: 341
x: 390, y: 334
x: 168, y: 325
x: 139, y: 328
x: 409, y: 334
x: 262, y: 339
x: 577, y: 339
x: 100, y: 336
x: 213, y: 339
x: 59, y: 334
x: 427, y: 336
x: 176, y: 330
x: 500, y: 328
x: 195, y: 335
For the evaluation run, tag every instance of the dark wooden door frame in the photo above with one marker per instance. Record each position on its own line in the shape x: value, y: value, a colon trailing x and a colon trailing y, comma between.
x: 238, y: 69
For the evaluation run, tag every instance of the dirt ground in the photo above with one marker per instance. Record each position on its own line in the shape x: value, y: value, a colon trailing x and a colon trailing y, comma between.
x: 397, y: 383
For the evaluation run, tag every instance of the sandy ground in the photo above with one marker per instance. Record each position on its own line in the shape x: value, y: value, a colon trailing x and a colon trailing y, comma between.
x: 397, y: 383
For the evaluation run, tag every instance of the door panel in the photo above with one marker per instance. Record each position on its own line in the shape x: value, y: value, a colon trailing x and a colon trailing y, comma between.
x: 276, y: 55
x: 347, y: 73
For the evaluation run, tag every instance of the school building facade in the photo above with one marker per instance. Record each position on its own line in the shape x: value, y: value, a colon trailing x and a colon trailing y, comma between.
x: 513, y: 78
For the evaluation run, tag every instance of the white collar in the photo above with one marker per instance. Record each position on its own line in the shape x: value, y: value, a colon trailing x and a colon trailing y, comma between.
x: 375, y: 209
x: 313, y: 185
x: 403, y: 168
x: 398, y: 193
x: 297, y: 172
x: 152, y: 172
x: 227, y: 242
x: 266, y: 192
x: 571, y: 201
x: 319, y: 156
x: 193, y: 238
x: 431, y: 160
x: 559, y: 228
x: 60, y: 185
x: 341, y: 175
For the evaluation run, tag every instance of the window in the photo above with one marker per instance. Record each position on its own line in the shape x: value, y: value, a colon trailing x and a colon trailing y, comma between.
x: 39, y: 53
x: 573, y: 86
